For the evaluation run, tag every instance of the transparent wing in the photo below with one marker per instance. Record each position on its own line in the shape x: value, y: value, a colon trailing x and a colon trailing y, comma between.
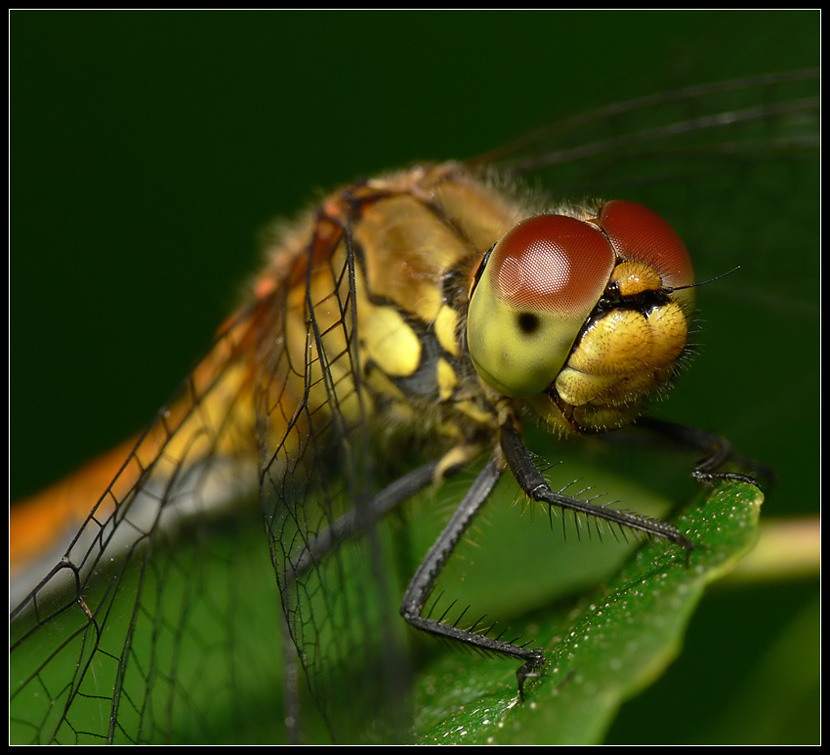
x: 317, y: 466
x: 648, y: 139
x: 127, y: 638
x: 164, y: 607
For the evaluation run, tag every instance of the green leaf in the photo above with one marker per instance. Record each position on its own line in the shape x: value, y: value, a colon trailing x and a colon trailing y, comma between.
x: 601, y: 652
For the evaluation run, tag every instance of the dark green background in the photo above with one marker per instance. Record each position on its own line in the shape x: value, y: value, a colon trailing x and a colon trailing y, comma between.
x: 149, y: 149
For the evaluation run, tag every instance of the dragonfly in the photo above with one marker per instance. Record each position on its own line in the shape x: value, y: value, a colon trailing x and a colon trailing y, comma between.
x: 404, y: 332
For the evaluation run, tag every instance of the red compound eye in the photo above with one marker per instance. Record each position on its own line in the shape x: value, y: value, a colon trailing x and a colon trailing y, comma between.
x: 640, y: 235
x: 552, y: 263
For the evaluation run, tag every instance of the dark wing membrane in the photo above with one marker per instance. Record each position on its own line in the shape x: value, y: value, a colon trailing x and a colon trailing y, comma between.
x: 128, y: 639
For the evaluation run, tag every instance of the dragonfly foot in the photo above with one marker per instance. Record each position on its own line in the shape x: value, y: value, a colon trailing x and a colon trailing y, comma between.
x: 530, y: 669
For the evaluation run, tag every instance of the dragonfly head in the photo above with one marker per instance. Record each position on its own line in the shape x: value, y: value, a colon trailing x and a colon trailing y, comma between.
x: 582, y: 316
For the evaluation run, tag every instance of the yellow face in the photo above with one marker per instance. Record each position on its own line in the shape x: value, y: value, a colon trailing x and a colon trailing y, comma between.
x: 582, y: 317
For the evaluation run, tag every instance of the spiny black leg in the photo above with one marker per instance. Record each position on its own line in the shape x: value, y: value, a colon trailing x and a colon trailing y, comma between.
x: 531, y: 481
x: 427, y: 573
x: 359, y: 519
x: 717, y: 452
x: 530, y: 669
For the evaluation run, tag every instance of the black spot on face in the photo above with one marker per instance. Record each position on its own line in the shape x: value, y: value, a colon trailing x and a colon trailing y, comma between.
x: 528, y: 322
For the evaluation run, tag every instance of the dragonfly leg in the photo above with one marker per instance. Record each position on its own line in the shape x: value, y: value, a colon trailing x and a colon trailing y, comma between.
x: 522, y: 465
x: 357, y: 521
x: 425, y: 576
x: 717, y: 450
